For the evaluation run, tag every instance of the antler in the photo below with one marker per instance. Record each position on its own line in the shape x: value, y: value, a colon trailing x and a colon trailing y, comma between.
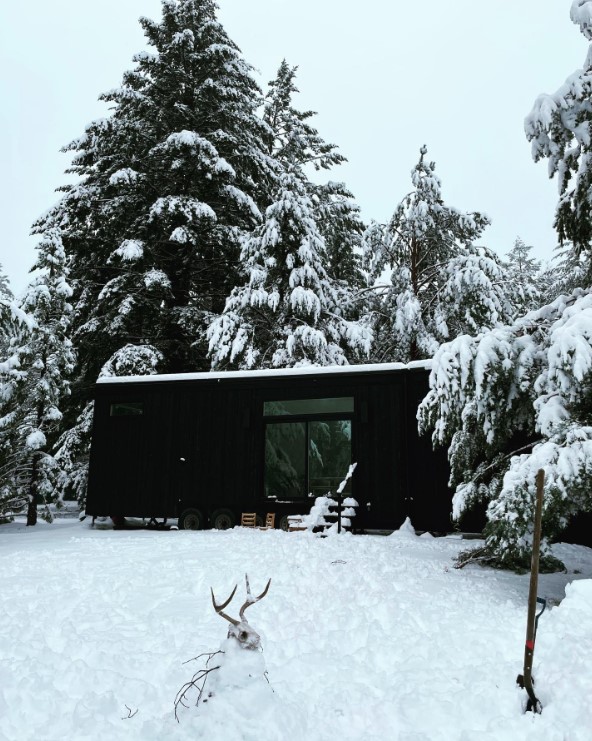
x: 219, y: 608
x: 250, y: 599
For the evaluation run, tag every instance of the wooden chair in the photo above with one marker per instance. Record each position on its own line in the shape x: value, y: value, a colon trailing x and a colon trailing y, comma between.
x: 269, y: 521
x: 248, y: 519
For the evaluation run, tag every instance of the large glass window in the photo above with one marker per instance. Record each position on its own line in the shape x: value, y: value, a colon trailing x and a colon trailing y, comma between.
x: 310, y: 456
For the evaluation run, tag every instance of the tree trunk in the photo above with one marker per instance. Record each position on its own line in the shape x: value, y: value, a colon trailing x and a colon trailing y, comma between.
x: 32, y: 509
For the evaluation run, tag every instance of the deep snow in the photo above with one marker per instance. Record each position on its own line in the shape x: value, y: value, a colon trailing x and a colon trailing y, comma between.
x: 364, y: 637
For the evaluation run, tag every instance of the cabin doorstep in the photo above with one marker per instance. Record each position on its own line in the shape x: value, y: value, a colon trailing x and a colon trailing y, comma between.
x: 205, y: 447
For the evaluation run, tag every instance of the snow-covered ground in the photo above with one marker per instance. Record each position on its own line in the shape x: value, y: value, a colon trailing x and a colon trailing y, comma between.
x: 364, y: 637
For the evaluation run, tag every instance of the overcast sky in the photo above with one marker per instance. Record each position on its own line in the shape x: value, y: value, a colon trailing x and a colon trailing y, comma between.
x: 385, y: 76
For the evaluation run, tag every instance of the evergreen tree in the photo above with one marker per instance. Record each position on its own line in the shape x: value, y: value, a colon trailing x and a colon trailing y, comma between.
x: 294, y: 306
x: 169, y: 184
x: 34, y: 382
x: 287, y: 314
x: 558, y: 127
x: 519, y: 397
x: 11, y: 316
x: 439, y: 283
x: 294, y: 143
x: 524, y: 274
x: 569, y: 269
x: 339, y: 221
x: 508, y: 402
x: 6, y: 318
x: 291, y: 139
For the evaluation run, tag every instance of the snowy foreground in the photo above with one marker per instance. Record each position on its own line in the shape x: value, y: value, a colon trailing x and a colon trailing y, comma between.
x: 364, y: 637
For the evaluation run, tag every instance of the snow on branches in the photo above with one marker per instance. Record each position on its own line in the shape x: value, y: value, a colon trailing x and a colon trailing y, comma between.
x: 509, y: 402
x: 439, y: 285
x: 34, y: 381
x: 559, y: 128
x: 287, y: 313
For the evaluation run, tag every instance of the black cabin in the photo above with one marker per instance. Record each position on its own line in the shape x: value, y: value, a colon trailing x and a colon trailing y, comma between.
x: 205, y: 447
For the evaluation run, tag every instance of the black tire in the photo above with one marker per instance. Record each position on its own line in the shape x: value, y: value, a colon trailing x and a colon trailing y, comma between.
x: 283, y: 523
x: 191, y: 519
x: 259, y: 521
x: 222, y: 519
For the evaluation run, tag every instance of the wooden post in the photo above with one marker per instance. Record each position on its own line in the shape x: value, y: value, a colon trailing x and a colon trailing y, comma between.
x: 533, y: 702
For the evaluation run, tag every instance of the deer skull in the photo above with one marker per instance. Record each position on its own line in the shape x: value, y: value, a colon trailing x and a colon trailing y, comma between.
x: 240, y: 630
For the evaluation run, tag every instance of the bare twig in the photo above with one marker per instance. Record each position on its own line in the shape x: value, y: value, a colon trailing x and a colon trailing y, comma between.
x: 209, y: 654
x: 194, y: 683
x: 130, y: 714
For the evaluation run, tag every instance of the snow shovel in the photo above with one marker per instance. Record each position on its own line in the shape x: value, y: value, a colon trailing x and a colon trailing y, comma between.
x: 525, y: 681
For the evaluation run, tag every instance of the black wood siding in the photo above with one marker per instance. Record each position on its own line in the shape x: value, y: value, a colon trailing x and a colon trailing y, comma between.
x: 216, y: 426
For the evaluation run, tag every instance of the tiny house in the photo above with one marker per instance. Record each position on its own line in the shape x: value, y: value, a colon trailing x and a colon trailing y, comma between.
x: 205, y: 447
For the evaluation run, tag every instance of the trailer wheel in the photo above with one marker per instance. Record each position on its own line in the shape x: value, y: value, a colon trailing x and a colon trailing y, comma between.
x: 259, y: 521
x: 222, y: 519
x: 284, y: 524
x: 191, y: 519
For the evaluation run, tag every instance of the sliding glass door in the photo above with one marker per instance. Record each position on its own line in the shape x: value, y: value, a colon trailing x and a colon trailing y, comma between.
x: 308, y: 446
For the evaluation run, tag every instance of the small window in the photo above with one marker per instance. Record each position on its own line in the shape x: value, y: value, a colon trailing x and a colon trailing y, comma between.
x: 344, y: 404
x: 127, y: 408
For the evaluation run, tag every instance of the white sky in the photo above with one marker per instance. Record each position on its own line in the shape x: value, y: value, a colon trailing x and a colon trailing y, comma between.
x: 385, y: 77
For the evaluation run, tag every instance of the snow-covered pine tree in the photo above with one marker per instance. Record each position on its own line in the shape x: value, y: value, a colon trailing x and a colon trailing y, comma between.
x: 35, y: 381
x: 340, y: 223
x: 524, y: 272
x: 440, y: 285
x: 558, y: 128
x: 287, y: 314
x: 6, y: 318
x: 519, y: 398
x: 290, y: 138
x: 290, y: 309
x: 169, y: 183
x: 508, y: 402
x: 293, y: 141
x: 11, y: 316
x: 567, y: 270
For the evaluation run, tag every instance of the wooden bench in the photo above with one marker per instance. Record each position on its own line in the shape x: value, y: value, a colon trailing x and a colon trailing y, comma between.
x: 295, y: 523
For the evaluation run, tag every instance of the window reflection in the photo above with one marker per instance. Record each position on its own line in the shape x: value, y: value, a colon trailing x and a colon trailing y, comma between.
x: 329, y: 454
x: 285, y: 459
x: 126, y: 409
x: 308, y: 406
x: 321, y: 449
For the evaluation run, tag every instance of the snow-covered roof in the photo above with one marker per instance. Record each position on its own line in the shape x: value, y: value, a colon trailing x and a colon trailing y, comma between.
x: 309, y: 370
